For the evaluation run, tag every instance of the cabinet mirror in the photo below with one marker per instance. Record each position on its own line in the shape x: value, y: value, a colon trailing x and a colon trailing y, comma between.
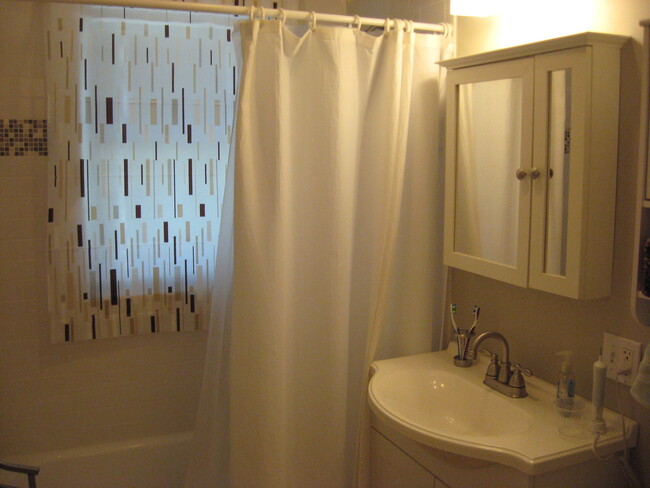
x: 559, y: 150
x: 488, y: 156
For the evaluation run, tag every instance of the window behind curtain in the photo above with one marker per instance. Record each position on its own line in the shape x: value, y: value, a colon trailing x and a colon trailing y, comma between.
x: 140, y: 116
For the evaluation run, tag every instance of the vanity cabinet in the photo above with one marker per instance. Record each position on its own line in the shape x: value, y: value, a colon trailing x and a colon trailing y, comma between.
x: 434, y: 422
x: 399, y: 462
x: 392, y: 468
x: 531, y: 154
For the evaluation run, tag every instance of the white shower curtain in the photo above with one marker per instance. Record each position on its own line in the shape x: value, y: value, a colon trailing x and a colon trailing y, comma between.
x: 336, y: 255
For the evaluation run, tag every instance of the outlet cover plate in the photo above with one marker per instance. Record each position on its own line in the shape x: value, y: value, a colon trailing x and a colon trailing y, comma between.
x: 621, y: 354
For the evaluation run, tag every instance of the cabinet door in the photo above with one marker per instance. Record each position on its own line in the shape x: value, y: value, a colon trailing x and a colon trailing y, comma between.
x: 488, y: 162
x: 562, y: 89
x: 572, y: 210
x: 392, y: 468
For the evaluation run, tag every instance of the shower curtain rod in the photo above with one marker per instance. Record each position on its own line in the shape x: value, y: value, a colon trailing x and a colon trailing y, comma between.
x: 443, y: 29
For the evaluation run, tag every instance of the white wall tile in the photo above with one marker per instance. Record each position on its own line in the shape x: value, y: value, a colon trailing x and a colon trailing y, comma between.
x: 324, y: 6
x: 22, y: 40
x: 27, y: 208
x: 434, y: 12
x: 22, y: 97
x: 429, y: 11
x: 370, y: 8
x: 12, y: 187
x: 25, y: 166
x: 21, y: 320
x: 21, y: 229
x: 22, y: 107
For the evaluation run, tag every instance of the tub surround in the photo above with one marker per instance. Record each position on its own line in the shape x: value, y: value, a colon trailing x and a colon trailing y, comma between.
x: 147, y: 462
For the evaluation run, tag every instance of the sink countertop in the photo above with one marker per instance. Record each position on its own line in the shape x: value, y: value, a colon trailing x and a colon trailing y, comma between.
x: 428, y: 399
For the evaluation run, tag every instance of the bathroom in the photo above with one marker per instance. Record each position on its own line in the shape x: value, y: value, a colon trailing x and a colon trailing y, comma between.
x: 66, y: 397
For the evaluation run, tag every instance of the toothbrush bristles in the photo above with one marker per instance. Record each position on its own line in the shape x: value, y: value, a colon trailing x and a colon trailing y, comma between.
x: 453, y: 319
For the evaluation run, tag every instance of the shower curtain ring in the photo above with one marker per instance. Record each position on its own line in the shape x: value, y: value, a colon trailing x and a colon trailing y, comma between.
x: 409, y: 26
x: 251, y: 12
x: 357, y: 22
x: 283, y: 16
x: 387, y: 26
x: 262, y: 14
x: 312, y: 17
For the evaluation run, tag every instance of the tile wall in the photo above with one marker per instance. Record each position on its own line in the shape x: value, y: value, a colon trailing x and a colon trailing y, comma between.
x: 432, y: 11
x: 65, y: 395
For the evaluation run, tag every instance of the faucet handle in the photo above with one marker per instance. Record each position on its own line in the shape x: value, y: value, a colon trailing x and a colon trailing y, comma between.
x: 519, y: 367
x: 493, y: 368
x: 517, y: 380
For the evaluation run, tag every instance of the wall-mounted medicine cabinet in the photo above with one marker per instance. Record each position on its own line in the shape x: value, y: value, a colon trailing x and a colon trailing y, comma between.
x: 531, y: 155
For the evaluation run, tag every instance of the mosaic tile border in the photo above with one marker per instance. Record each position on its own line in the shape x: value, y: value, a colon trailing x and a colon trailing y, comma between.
x: 23, y: 137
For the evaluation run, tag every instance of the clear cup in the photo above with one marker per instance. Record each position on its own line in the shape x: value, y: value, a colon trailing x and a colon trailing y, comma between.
x: 572, y: 419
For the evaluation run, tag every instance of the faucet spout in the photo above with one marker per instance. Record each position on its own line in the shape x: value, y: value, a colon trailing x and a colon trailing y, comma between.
x: 500, y: 376
x: 505, y: 350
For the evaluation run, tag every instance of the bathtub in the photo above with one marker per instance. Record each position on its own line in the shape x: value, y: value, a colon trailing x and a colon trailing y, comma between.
x: 152, y: 462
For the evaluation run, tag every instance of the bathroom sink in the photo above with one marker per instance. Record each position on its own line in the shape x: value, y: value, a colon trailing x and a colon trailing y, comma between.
x: 428, y: 399
x: 438, y: 401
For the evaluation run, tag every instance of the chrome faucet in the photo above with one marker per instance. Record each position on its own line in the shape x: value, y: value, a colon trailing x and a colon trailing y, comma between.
x: 500, y: 376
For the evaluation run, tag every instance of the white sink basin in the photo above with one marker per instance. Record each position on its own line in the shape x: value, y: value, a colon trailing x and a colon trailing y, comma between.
x: 428, y: 399
x: 446, y: 403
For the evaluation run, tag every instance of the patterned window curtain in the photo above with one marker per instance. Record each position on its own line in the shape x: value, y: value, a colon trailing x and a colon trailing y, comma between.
x: 140, y: 115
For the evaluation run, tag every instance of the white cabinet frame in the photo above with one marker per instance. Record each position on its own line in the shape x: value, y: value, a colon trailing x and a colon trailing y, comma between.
x: 522, y: 69
x: 593, y: 61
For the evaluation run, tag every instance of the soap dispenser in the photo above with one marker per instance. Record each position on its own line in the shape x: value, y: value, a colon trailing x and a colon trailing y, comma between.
x: 566, y: 383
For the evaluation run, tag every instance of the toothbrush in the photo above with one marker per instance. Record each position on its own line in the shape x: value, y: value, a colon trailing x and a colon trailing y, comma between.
x: 475, y: 312
x: 452, y: 307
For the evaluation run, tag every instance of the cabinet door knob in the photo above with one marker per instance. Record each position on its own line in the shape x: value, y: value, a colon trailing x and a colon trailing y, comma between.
x: 521, y: 173
x: 534, y: 173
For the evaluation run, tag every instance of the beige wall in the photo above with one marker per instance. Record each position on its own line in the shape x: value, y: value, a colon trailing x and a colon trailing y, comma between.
x: 59, y: 396
x: 538, y: 324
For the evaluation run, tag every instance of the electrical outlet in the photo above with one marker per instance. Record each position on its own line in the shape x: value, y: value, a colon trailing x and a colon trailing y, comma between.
x: 630, y: 357
x: 620, y: 354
